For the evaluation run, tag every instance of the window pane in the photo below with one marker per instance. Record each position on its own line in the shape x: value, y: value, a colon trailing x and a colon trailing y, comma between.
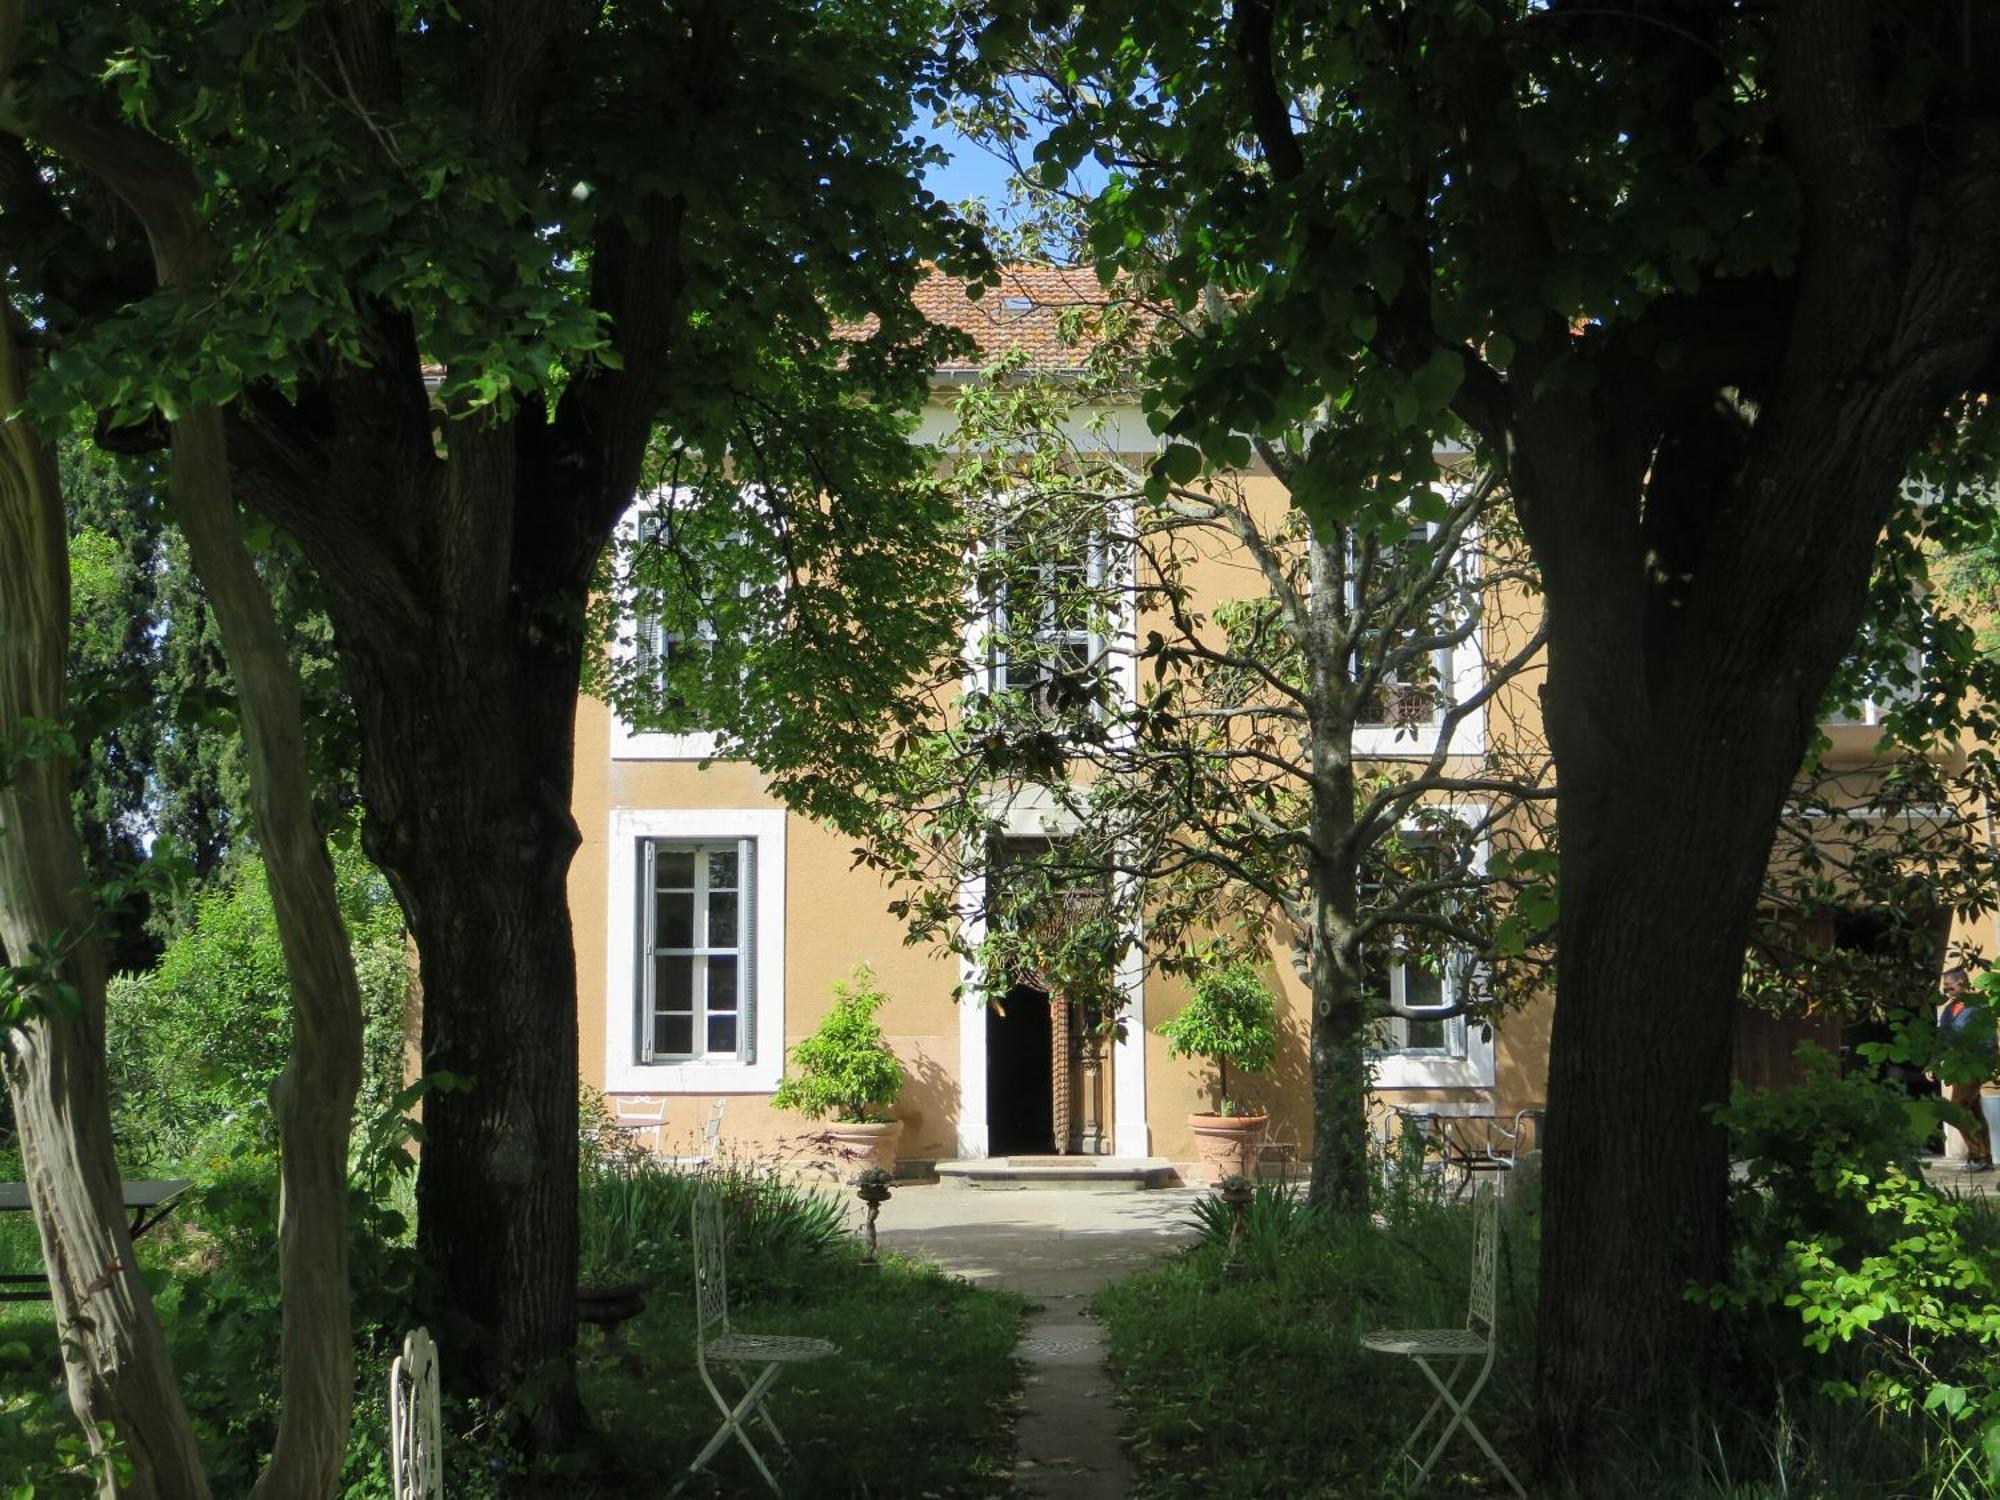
x: 673, y: 984
x: 1422, y: 990
x: 721, y: 1035
x: 673, y: 920
x: 673, y: 869
x: 721, y: 919
x: 721, y: 984
x: 722, y: 869
x: 1426, y: 1034
x: 673, y: 1036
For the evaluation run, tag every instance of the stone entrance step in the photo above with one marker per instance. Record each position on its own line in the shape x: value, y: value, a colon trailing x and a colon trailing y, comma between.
x: 1115, y: 1174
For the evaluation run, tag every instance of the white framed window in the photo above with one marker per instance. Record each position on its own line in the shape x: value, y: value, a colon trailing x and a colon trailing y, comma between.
x: 1411, y: 986
x: 1419, y: 1051
x: 695, y: 958
x: 1888, y: 698
x: 1051, y: 601
x: 654, y: 647
x: 1402, y: 716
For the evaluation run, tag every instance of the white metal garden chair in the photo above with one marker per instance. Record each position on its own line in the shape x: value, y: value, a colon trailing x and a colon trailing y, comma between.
x: 716, y: 1344
x: 644, y: 1120
x: 1461, y: 1346
x: 416, y: 1452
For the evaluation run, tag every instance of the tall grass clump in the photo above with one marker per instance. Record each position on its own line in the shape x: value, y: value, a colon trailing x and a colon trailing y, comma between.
x: 634, y: 1217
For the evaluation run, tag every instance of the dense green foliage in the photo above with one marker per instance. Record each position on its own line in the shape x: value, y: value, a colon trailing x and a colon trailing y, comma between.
x: 1231, y: 1020
x: 152, y: 705
x: 1855, y: 1276
x: 195, y: 1044
x: 844, y: 1069
x: 602, y: 227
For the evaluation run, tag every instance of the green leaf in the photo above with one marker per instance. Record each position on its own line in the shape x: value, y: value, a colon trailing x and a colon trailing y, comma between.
x: 1438, y: 381
x: 1179, y: 464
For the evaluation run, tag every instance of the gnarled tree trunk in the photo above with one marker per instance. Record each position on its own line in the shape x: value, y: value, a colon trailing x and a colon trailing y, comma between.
x: 313, y: 1099
x: 120, y: 1380
x: 471, y: 822
x: 1339, y: 1033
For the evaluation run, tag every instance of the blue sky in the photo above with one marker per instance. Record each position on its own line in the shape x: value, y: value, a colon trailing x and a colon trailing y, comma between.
x: 971, y: 172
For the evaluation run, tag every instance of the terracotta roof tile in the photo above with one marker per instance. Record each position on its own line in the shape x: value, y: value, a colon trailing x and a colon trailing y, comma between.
x: 1024, y: 312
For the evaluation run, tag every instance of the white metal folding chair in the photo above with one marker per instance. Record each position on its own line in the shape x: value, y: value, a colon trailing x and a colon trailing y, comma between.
x: 715, y: 1343
x: 1461, y: 1346
x: 416, y: 1453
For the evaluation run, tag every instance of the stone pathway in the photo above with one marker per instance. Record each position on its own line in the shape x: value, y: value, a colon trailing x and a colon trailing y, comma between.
x: 1056, y: 1248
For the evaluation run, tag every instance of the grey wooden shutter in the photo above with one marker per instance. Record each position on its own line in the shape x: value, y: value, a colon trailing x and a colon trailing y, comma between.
x: 642, y: 968
x: 746, y: 940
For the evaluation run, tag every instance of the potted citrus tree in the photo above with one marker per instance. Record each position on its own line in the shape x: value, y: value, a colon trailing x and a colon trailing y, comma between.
x: 846, y: 1075
x: 1232, y: 1021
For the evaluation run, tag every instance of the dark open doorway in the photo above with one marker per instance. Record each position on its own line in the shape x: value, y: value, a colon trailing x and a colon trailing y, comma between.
x: 1020, y: 1102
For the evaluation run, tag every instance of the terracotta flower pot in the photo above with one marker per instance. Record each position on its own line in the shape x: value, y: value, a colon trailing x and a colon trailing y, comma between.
x: 1227, y: 1144
x: 865, y: 1145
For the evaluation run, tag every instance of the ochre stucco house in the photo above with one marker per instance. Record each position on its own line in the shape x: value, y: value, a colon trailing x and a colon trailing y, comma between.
x: 784, y: 914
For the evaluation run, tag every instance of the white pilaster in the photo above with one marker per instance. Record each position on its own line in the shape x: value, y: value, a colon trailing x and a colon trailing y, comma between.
x: 972, y: 1022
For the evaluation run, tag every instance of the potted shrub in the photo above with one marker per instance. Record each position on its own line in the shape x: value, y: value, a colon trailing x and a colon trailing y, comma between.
x: 845, y: 1074
x: 1231, y: 1021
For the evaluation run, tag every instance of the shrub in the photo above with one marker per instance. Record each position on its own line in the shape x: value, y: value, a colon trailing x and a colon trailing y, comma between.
x: 845, y: 1069
x: 1896, y: 1289
x: 195, y: 1045
x: 1232, y: 1019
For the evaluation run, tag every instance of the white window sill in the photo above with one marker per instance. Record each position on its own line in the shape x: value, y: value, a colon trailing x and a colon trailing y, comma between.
x: 694, y: 1076
x: 631, y: 744
x: 1384, y: 741
x: 1406, y: 1070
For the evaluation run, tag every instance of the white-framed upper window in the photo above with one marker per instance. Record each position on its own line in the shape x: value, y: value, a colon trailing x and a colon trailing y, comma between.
x: 1871, y: 711
x: 1044, y: 630
x: 1402, y: 715
x: 695, y: 964
x: 655, y: 646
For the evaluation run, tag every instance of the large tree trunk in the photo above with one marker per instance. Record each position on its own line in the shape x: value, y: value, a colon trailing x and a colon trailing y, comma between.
x: 1705, y: 570
x: 466, y: 774
x: 120, y: 1380
x: 1663, y: 857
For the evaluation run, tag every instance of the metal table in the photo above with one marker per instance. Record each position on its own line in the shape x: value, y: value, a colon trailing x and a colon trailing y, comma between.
x: 148, y: 1200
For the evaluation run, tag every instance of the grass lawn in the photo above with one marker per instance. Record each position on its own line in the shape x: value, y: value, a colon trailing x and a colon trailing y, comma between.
x: 920, y: 1400
x: 1251, y: 1381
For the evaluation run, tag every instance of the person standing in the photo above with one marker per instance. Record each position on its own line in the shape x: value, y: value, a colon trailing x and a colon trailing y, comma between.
x: 1964, y: 1020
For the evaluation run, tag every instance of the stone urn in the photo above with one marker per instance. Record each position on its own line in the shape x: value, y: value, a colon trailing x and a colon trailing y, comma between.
x: 1227, y: 1144
x: 865, y: 1143
x: 608, y: 1305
